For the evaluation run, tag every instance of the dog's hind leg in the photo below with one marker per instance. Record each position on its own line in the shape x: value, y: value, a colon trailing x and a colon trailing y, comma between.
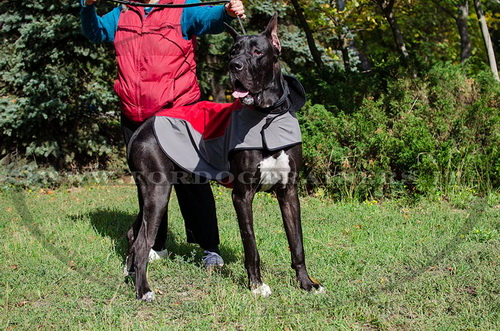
x: 132, y: 233
x: 153, y: 173
x: 153, y: 212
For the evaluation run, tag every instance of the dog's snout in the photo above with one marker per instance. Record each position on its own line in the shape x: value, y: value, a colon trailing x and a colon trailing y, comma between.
x: 236, y: 65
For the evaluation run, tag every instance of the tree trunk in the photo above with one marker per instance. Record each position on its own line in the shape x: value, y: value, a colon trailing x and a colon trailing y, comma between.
x: 364, y: 63
x: 486, y: 38
x: 341, y: 4
x: 316, y: 54
x: 463, y: 30
x: 387, y: 7
x: 347, y: 45
x: 345, y: 56
x: 217, y: 89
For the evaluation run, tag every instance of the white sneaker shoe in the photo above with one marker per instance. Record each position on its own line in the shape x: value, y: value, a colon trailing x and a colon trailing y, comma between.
x: 157, y: 255
x: 212, y: 260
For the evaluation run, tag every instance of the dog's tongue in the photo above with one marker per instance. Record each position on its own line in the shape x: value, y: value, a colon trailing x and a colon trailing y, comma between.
x: 240, y: 94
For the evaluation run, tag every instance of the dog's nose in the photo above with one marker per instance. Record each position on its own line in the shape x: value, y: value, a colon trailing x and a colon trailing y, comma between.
x: 236, y: 65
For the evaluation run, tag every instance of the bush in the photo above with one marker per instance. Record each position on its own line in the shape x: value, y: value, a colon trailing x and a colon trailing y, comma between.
x: 366, y: 136
x: 57, y: 103
x: 439, y: 133
x: 347, y: 154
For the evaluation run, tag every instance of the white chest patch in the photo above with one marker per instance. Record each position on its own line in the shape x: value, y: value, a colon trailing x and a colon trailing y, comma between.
x: 274, y: 170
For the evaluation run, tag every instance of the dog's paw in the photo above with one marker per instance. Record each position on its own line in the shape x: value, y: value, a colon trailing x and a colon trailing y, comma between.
x: 157, y: 255
x: 319, y: 290
x: 148, y: 297
x: 263, y: 290
x: 127, y: 273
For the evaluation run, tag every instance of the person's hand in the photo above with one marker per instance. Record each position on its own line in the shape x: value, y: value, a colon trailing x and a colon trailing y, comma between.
x: 90, y: 2
x: 233, y: 8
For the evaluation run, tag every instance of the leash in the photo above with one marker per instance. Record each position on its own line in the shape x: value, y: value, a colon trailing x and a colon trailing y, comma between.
x: 241, y: 26
x: 182, y: 5
x: 168, y: 5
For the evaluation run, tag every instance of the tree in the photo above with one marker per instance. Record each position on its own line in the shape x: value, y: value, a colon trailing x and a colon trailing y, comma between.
x: 387, y: 7
x: 462, y: 20
x: 344, y: 19
x: 461, y: 17
x: 309, y: 35
x: 57, y: 100
x: 487, y: 39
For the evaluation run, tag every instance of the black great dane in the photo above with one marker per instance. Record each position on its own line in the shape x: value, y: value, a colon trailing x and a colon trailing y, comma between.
x: 257, y: 80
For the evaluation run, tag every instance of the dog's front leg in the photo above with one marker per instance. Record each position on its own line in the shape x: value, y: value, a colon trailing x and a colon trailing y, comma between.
x: 243, y: 166
x: 242, y: 200
x: 290, y: 210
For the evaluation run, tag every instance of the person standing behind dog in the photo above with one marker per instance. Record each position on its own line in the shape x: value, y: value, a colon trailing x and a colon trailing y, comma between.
x: 157, y: 70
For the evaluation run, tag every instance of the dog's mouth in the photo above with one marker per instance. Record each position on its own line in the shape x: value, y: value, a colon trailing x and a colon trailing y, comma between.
x: 240, y: 91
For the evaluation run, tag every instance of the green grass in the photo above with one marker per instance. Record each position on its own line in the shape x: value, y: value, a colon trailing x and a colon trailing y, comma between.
x: 430, y: 265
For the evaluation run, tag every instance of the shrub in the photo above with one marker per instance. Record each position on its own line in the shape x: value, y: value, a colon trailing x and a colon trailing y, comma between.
x: 57, y: 103
x: 438, y: 133
x: 346, y: 153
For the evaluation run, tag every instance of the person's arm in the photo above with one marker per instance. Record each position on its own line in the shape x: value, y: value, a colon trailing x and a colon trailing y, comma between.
x: 209, y: 19
x: 98, y: 29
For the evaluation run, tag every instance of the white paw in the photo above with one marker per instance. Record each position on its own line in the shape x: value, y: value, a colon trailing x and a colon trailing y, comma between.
x: 148, y: 297
x: 320, y: 290
x: 125, y: 269
x: 262, y: 290
x: 157, y: 255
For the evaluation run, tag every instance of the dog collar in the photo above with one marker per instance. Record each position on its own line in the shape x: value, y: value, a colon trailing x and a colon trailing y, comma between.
x: 281, y: 101
x: 294, y: 94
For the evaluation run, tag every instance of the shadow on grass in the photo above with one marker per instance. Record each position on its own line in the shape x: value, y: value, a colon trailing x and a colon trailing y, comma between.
x: 115, y: 224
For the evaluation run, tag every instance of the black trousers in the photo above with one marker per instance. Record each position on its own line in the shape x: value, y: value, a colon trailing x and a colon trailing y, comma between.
x: 197, y: 205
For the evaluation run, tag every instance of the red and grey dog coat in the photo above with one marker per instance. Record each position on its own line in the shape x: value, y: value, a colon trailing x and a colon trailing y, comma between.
x: 199, y: 137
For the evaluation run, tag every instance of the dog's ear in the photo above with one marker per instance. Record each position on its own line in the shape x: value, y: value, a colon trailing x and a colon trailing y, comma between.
x: 271, y: 32
x: 232, y: 31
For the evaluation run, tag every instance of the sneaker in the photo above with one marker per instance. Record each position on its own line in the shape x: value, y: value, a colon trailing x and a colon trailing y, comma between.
x: 212, y: 260
x: 157, y: 255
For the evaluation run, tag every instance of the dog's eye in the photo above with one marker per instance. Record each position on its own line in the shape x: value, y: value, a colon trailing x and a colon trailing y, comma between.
x: 257, y: 52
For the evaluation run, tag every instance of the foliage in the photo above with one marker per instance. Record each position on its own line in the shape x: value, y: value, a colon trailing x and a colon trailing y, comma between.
x: 429, y: 135
x: 428, y: 27
x: 57, y: 104
x: 212, y: 70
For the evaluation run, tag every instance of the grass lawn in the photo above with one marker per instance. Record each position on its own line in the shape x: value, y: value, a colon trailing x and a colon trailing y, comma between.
x: 430, y: 265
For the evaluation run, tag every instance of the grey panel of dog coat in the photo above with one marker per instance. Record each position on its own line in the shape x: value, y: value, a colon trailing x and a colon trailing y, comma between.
x: 246, y: 130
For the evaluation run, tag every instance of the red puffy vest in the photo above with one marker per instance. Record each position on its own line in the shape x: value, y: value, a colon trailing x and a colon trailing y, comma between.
x: 156, y: 66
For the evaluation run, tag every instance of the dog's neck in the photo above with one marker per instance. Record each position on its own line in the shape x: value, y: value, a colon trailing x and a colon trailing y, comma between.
x: 274, y: 97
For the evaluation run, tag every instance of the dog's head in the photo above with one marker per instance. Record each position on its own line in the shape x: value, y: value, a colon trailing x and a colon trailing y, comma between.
x: 254, y: 65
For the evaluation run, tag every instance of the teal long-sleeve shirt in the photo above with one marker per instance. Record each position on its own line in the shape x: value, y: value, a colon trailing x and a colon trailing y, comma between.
x: 194, y: 21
